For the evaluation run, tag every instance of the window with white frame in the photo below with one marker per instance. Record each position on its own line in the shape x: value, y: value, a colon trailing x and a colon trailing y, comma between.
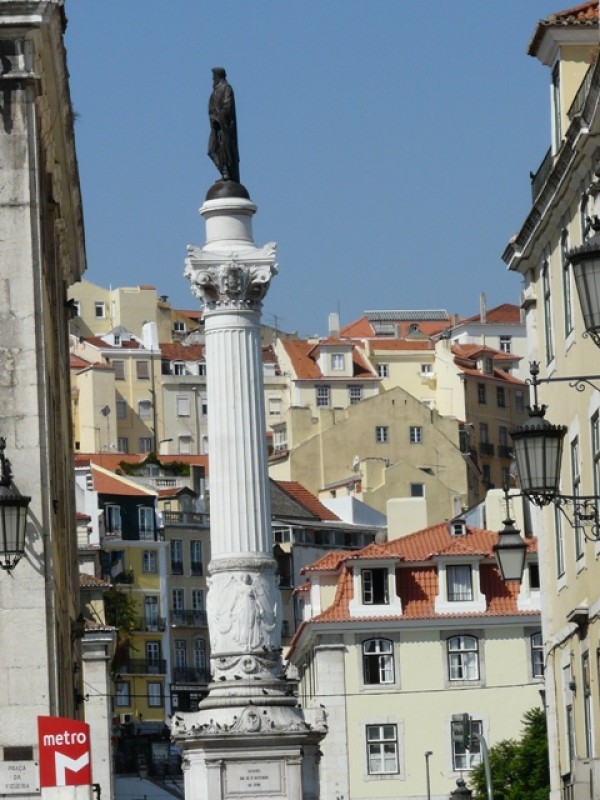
x: 463, y: 757
x: 323, y: 396
x: 338, y: 362
x: 382, y: 749
x: 145, y: 409
x: 99, y: 309
x: 463, y: 658
x: 177, y: 600
x: 149, y: 561
x: 122, y: 694
x: 183, y: 405
x: 378, y: 661
x: 459, y: 583
x: 75, y: 308
x: 176, y: 547
x: 178, y: 326
x: 383, y: 370
x: 121, y: 409
x: 375, y: 586
x: 185, y: 444
x: 537, y: 655
x: 566, y: 281
x: 426, y: 369
x: 146, y: 521
x: 576, y: 483
x: 179, y: 368
x: 196, y: 556
x: 119, y: 368
x: 202, y: 369
x: 200, y: 654
x: 197, y: 599
x: 155, y: 694
x: 355, y: 394
x: 382, y: 434
x: 274, y: 406
x: 145, y: 444
x: 142, y: 370
x: 416, y: 434
x: 548, y: 332
x: 280, y: 438
x: 112, y: 519
x: 506, y: 344
x: 180, y: 654
x: 123, y: 444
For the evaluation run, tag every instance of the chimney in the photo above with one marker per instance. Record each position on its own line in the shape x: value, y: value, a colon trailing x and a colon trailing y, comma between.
x: 334, y: 325
x: 482, y: 309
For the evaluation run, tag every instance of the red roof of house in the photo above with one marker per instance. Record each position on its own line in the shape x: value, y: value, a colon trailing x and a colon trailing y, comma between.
x: 111, y: 461
x: 417, y: 582
x: 377, y: 344
x: 76, y: 362
x: 507, y: 313
x: 307, y: 368
x: 175, y: 351
x: 307, y: 500
x: 359, y: 329
x: 584, y: 14
x: 108, y: 483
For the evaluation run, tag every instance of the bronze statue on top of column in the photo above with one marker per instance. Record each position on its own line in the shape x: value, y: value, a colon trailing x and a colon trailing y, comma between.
x: 222, y: 142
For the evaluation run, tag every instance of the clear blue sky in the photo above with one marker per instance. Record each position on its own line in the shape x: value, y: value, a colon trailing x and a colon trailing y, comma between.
x: 387, y: 144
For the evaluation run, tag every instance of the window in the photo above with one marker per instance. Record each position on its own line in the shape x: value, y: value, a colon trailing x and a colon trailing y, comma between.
x: 177, y: 600
x: 179, y: 368
x: 145, y: 444
x: 375, y: 586
x: 355, y: 394
x: 180, y: 654
x: 576, y: 482
x: 488, y: 366
x: 197, y: 599
x: 484, y: 434
x: 121, y: 408
x: 99, y: 309
x: 280, y: 438
x: 481, y: 398
x: 486, y: 476
x: 463, y: 658
x: 179, y: 327
x: 417, y: 490
x: 537, y: 655
x: 141, y: 370
x: 123, y: 444
x: 459, y: 581
x: 116, y: 339
x: 378, y: 661
x: 202, y: 369
x: 506, y: 344
x: 500, y: 397
x: 383, y: 370
x: 382, y: 749
x: 323, y: 396
x: 426, y: 369
x: 75, y: 306
x: 519, y: 401
x: 203, y: 406
x: 119, y: 368
x: 183, y: 405
x: 559, y: 543
x: 146, y: 521
x: 463, y: 757
x: 176, y: 557
x: 122, y: 694
x: 196, y: 556
x: 112, y: 519
x: 503, y: 445
x: 274, y: 406
x: 534, y: 577
x: 200, y: 654
x: 566, y: 278
x: 151, y: 624
x: 382, y: 434
x: 185, y: 444
x: 145, y: 409
x: 149, y: 561
x: 549, y: 336
x: 155, y: 699
x: 416, y: 434
x: 338, y: 362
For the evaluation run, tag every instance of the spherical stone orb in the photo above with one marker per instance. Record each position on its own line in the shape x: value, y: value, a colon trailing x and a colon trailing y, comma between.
x: 224, y: 189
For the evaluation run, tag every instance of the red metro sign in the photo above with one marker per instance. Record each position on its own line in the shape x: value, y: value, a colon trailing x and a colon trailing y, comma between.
x: 64, y: 746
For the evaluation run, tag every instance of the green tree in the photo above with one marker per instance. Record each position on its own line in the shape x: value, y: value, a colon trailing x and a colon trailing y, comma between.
x: 120, y: 611
x: 519, y: 767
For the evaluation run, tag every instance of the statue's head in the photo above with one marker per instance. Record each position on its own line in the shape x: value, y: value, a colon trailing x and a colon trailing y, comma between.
x: 218, y: 74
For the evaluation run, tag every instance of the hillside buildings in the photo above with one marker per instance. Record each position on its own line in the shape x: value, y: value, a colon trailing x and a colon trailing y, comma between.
x: 564, y: 201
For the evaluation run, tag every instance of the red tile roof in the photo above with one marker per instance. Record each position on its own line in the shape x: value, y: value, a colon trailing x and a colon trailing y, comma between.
x: 507, y: 313
x: 582, y: 15
x: 329, y: 562
x: 378, y: 344
x: 111, y: 461
x: 76, y: 362
x: 107, y: 483
x: 359, y: 329
x: 175, y: 351
x: 307, y: 500
x: 307, y: 368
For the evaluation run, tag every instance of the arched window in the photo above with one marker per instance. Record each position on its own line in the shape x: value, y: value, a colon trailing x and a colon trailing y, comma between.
x: 378, y: 661
x: 463, y: 658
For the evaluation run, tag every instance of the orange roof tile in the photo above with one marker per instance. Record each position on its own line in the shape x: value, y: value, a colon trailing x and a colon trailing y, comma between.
x: 176, y: 351
x: 330, y: 562
x: 360, y: 329
x: 107, y: 483
x: 111, y: 461
x: 378, y: 344
x: 307, y: 368
x: 76, y: 362
x: 506, y: 313
x: 585, y: 14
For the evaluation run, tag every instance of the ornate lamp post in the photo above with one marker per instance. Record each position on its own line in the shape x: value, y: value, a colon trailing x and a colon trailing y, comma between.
x: 510, y: 552
x: 13, y: 516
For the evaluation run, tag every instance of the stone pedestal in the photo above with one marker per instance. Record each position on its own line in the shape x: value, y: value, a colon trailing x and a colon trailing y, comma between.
x: 249, y: 737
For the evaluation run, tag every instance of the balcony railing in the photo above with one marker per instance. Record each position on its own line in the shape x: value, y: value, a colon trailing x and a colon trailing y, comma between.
x: 143, y: 666
x: 150, y: 625
x: 486, y: 449
x: 196, y: 568
x: 541, y: 176
x: 193, y: 619
x: 504, y: 451
x: 190, y: 675
x: 195, y: 518
x: 176, y: 567
x: 582, y: 93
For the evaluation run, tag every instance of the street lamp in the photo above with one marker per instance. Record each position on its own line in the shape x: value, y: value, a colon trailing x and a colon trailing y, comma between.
x: 585, y: 261
x: 13, y: 515
x: 510, y: 552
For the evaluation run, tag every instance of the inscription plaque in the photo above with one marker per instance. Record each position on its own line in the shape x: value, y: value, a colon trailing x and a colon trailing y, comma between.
x: 19, y: 777
x: 254, y: 779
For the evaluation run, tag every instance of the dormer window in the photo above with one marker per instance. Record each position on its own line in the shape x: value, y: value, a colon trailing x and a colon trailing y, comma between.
x: 179, y: 368
x: 375, y: 587
x: 117, y: 340
x: 488, y: 365
x: 337, y: 362
x: 459, y: 581
x: 458, y: 528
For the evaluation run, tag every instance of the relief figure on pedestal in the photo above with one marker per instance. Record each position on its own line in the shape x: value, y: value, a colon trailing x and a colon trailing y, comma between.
x: 244, y: 612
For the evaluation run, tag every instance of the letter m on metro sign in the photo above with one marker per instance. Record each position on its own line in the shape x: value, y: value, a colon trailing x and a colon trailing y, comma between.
x: 64, y: 746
